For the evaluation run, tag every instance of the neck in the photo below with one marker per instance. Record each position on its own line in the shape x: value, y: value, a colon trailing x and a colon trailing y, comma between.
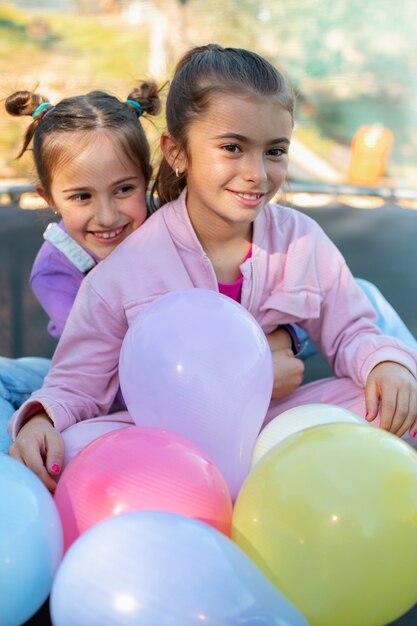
x: 226, y: 248
x: 218, y: 232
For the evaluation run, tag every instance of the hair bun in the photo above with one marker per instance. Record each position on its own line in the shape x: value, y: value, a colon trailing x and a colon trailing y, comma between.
x: 147, y: 95
x: 23, y: 102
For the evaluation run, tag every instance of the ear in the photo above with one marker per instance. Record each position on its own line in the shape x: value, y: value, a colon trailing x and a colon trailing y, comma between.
x: 174, y: 154
x: 45, y: 196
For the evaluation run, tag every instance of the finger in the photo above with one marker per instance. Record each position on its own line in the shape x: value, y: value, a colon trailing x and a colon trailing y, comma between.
x: 300, y: 366
x: 388, y: 407
x: 35, y: 462
x: 299, y: 372
x: 54, y: 453
x: 413, y: 411
x: 413, y: 417
x: 413, y: 430
x: 371, y: 401
x: 14, y: 452
x: 403, y: 417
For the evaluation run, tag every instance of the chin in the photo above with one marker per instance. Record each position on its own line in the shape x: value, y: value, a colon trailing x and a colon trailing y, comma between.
x: 103, y: 254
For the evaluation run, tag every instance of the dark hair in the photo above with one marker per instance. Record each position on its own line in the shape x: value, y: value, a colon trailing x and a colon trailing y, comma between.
x: 202, y: 73
x: 96, y: 110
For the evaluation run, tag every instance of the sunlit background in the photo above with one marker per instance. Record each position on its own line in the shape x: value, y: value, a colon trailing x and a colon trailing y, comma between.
x: 352, y: 64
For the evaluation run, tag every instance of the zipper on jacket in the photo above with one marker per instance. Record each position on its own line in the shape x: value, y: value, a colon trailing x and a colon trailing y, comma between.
x: 252, y: 287
x: 211, y: 270
x: 249, y: 277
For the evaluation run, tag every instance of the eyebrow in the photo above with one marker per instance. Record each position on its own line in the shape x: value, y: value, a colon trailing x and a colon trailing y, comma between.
x: 243, y: 138
x: 116, y: 182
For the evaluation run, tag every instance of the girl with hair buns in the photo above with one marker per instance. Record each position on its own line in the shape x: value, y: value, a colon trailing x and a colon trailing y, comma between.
x: 93, y: 163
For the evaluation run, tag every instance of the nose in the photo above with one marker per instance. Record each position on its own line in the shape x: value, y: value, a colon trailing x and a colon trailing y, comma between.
x: 106, y: 213
x: 255, y: 169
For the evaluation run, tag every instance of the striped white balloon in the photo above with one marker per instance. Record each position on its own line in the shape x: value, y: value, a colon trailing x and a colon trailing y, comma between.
x: 298, y: 418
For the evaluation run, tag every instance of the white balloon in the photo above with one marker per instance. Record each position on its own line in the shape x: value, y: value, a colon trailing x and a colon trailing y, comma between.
x: 298, y: 418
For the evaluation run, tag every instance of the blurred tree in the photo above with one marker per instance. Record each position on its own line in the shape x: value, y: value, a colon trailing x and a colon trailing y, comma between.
x: 179, y: 24
x: 323, y: 38
x: 98, y: 6
x: 352, y: 62
x: 169, y: 35
x: 355, y: 61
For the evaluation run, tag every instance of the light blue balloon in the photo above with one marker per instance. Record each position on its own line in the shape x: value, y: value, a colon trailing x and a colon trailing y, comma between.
x: 149, y: 568
x: 30, y: 542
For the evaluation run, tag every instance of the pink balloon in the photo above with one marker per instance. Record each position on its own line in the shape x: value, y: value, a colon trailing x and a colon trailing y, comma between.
x: 136, y: 469
x: 197, y: 363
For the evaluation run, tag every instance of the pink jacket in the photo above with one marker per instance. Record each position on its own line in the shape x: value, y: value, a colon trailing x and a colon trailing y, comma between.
x: 295, y: 275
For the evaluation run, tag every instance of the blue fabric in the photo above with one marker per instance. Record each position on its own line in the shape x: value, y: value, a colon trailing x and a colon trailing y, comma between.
x: 388, y: 319
x: 389, y: 322
x: 18, y: 379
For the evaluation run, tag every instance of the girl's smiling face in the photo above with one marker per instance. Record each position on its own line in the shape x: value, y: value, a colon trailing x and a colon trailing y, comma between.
x: 235, y: 161
x: 98, y: 191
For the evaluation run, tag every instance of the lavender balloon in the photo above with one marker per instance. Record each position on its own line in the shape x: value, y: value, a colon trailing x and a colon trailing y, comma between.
x: 197, y: 363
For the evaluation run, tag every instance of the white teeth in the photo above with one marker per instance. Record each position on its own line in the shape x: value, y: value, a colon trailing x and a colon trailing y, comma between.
x: 250, y: 196
x: 108, y: 235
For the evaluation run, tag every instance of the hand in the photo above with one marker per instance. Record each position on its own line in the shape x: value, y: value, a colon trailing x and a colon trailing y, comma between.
x: 288, y: 373
x: 41, y: 447
x: 392, y: 389
x: 288, y: 370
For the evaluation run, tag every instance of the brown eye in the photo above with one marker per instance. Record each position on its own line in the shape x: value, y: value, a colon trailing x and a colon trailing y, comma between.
x: 231, y: 147
x: 276, y: 152
x: 80, y: 197
x: 124, y: 189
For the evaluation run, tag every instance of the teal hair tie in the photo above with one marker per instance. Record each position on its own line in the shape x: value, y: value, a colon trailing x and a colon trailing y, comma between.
x: 137, y: 105
x: 40, y: 108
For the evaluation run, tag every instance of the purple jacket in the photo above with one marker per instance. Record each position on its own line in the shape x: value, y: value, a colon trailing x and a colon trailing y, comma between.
x: 57, y: 273
x: 295, y: 275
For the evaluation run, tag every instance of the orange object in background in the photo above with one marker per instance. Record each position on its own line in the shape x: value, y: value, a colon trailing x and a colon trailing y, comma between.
x: 371, y: 146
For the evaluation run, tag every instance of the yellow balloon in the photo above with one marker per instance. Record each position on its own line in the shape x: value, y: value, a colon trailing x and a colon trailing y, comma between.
x: 330, y: 516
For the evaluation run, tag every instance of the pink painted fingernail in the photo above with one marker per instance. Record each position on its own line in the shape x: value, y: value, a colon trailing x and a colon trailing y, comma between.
x: 55, y: 468
x: 366, y: 414
x: 414, y: 433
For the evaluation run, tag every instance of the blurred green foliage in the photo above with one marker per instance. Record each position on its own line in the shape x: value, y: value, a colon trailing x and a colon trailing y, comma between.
x: 351, y: 62
x: 64, y: 55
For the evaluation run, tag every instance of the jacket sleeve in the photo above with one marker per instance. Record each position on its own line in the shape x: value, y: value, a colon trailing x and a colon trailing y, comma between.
x: 55, y: 289
x: 83, y: 380
x: 346, y: 331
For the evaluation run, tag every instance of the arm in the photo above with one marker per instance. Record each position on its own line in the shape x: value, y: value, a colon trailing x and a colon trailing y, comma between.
x: 81, y: 384
x: 83, y: 380
x: 346, y: 333
x: 345, y: 328
x: 55, y: 283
